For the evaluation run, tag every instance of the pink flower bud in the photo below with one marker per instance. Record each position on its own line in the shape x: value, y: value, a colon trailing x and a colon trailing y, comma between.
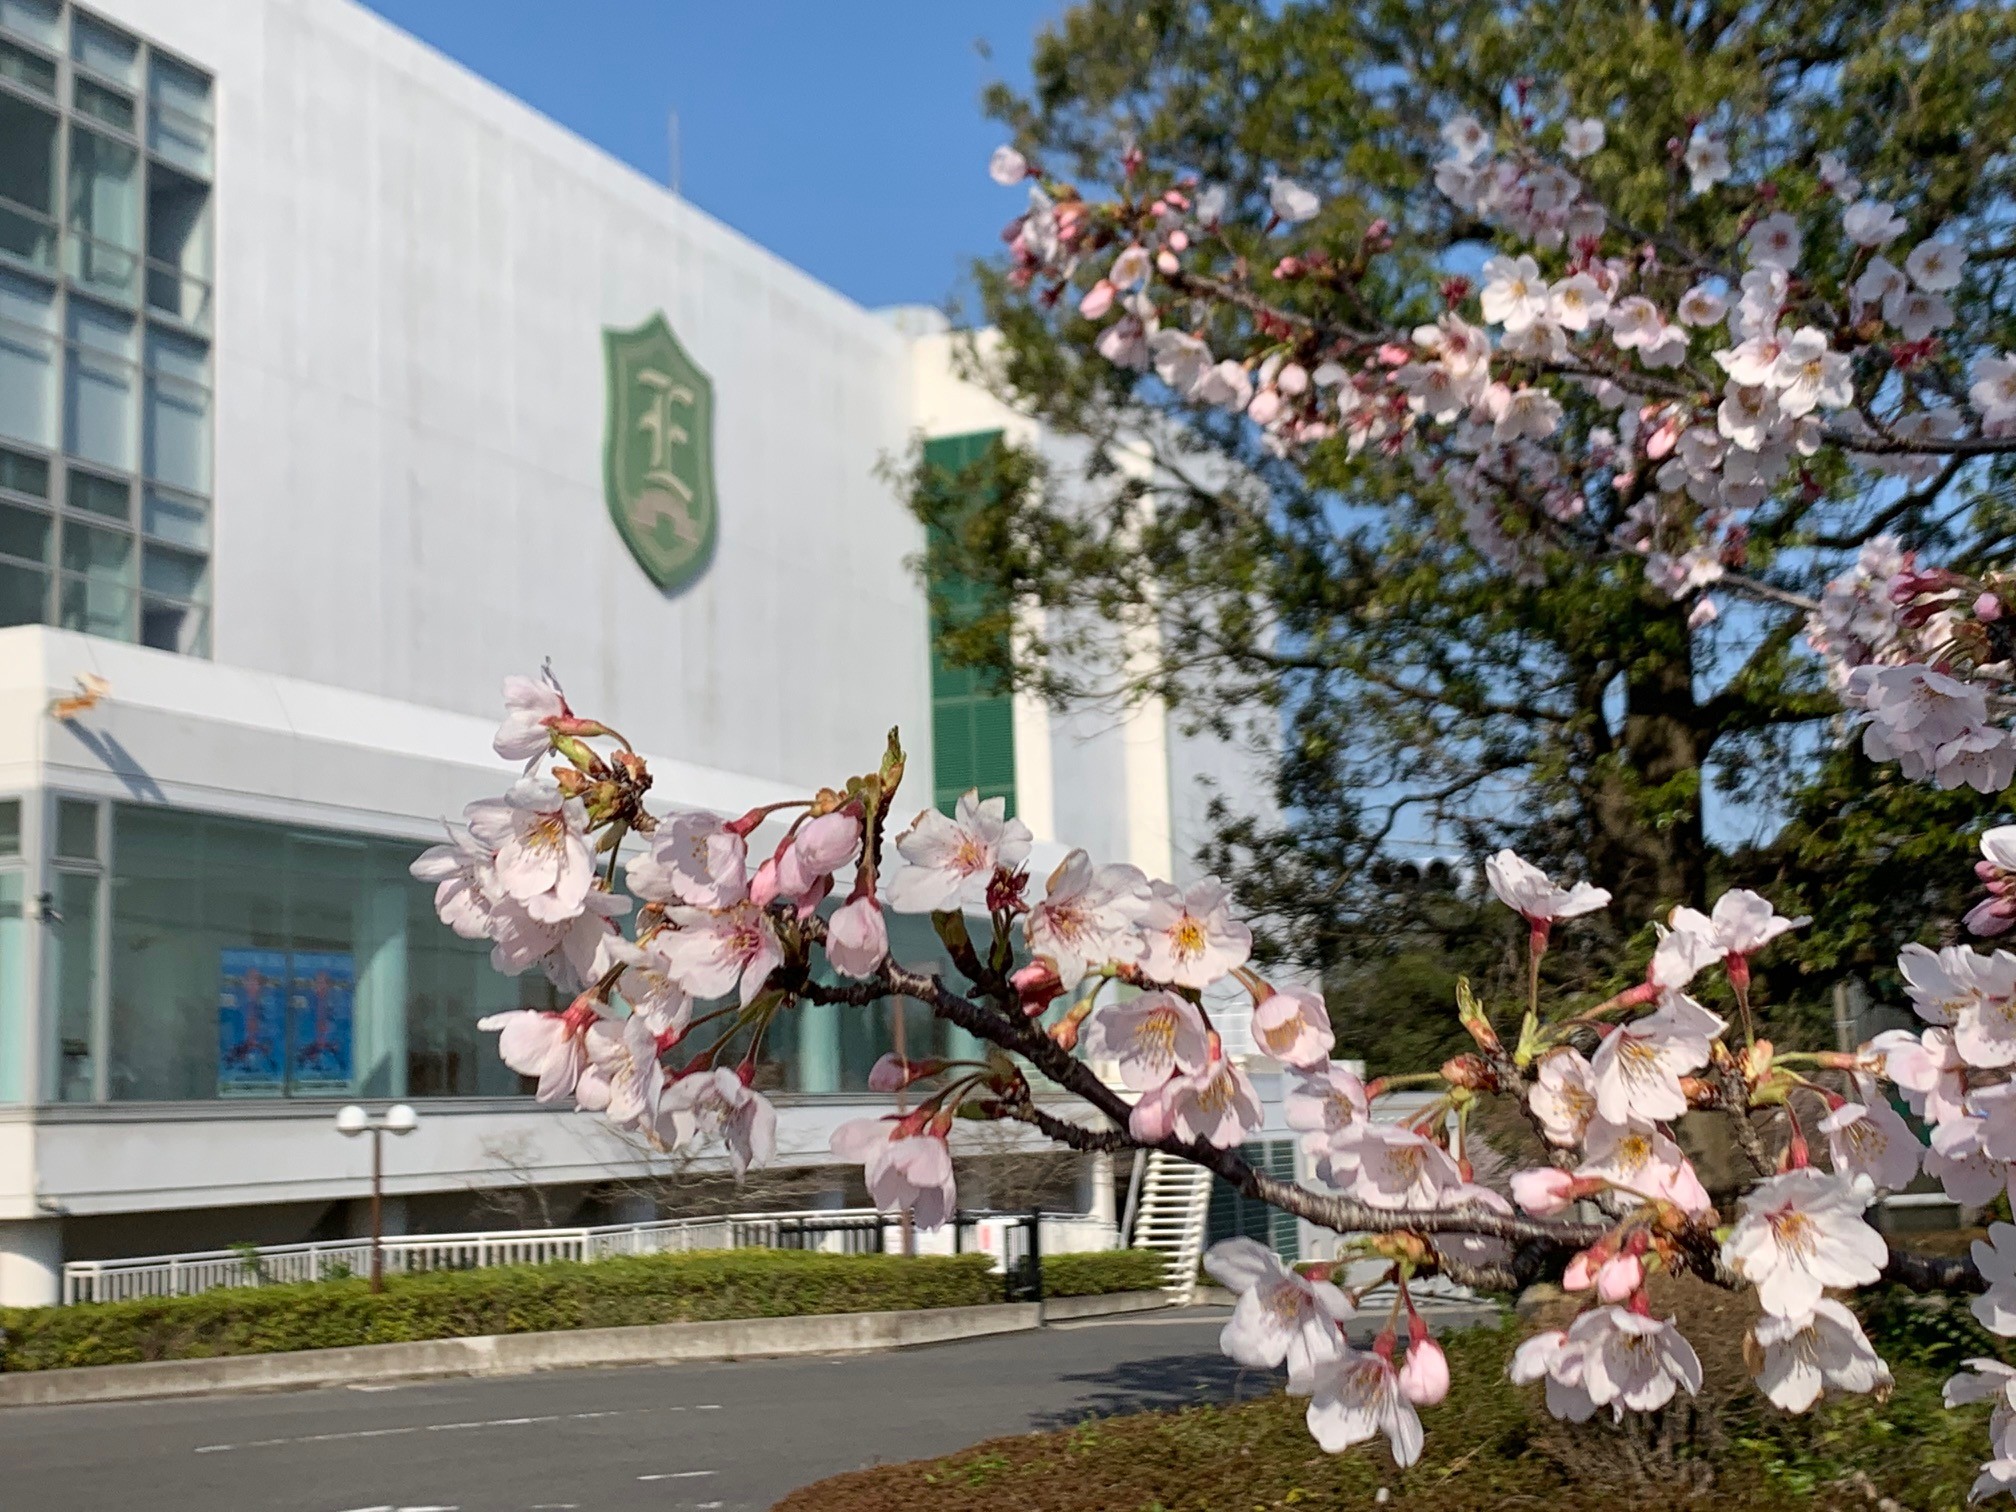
x: 1167, y: 261
x: 1287, y: 268
x: 1097, y: 301
x: 857, y: 941
x: 1424, y: 1377
x: 1179, y: 241
x: 1992, y: 916
x: 1618, y: 1278
x: 1543, y: 1192
x: 1988, y: 607
x: 1581, y: 1273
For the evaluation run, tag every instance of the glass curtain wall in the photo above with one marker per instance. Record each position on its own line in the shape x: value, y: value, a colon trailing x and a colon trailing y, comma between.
x: 106, y: 253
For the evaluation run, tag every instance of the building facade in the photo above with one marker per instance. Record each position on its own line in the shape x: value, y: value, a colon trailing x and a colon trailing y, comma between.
x: 335, y: 384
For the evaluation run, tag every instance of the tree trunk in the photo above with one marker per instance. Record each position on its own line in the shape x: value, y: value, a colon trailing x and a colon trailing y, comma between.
x: 1646, y: 842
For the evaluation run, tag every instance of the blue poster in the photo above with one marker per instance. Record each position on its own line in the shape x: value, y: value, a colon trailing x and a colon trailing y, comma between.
x: 251, y: 1023
x: 319, y: 1016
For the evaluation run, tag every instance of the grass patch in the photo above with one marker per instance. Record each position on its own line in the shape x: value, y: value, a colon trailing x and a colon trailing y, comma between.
x: 1492, y: 1448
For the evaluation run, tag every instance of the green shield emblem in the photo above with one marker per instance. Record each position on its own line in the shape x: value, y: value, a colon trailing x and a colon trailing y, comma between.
x: 658, y: 453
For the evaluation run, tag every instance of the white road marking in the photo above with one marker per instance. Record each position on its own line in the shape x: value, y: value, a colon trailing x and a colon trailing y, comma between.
x: 703, y: 1506
x: 708, y: 1407
x: 677, y: 1475
x: 406, y: 1428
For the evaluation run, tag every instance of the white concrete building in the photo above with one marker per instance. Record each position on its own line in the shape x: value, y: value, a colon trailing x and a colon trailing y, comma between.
x: 304, y: 393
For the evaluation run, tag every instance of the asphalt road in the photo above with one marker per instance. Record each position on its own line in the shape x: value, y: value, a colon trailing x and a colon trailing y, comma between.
x: 732, y: 1437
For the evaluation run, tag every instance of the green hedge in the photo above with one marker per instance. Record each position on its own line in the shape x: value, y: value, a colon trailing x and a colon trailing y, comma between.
x: 503, y: 1300
x: 532, y: 1299
x: 1102, y: 1271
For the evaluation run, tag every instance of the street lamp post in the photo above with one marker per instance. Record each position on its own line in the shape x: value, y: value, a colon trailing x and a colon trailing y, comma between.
x: 355, y: 1120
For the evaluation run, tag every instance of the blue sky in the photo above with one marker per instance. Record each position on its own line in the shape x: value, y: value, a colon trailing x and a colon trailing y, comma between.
x: 847, y: 138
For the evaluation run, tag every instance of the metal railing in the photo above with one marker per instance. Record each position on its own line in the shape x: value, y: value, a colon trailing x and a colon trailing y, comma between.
x: 830, y: 1230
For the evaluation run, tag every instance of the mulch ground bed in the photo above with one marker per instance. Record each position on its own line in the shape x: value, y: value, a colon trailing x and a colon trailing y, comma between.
x: 1492, y: 1448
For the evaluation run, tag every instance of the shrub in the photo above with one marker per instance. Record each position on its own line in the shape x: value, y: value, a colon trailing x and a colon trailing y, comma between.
x: 508, y: 1299
x: 1102, y: 1271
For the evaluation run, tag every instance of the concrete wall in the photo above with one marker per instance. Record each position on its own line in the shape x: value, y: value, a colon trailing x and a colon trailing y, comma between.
x: 414, y: 271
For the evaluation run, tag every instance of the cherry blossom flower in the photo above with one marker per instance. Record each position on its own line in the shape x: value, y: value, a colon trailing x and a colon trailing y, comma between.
x: 1701, y: 306
x: 1386, y: 1166
x: 1469, y: 140
x: 1800, y: 1233
x: 695, y: 859
x: 1291, y: 203
x: 907, y: 1165
x: 572, y: 952
x: 1563, y: 1096
x: 1926, y: 1068
x: 1293, y: 1027
x: 649, y: 987
x: 1192, y: 938
x: 1633, y: 1361
x: 1087, y: 917
x: 1215, y: 1106
x: 623, y: 1079
x: 857, y: 938
x: 1961, y: 1165
x: 1637, y: 1158
x: 710, y: 950
x: 707, y: 1104
x: 1555, y: 1358
x: 465, y: 879
x: 1707, y: 160
x: 1357, y: 1397
x: 1583, y: 138
x: 1994, y: 392
x: 1280, y: 1315
x: 1637, y: 1068
x: 1995, y: 1258
x: 1323, y: 1103
x: 1775, y: 241
x: 1869, y: 1138
x: 1872, y: 223
x: 1810, y: 373
x: 1972, y: 993
x: 1153, y: 1037
x: 532, y: 707
x: 1527, y: 890
x: 540, y: 838
x: 953, y: 860
x: 1805, y: 1354
x: 1935, y: 265
x: 1742, y: 923
x: 1544, y: 1190
x: 1514, y: 294
x: 1007, y: 167
x: 550, y: 1046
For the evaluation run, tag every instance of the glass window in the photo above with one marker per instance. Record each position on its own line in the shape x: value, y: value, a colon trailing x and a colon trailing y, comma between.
x: 178, y: 246
x: 27, y: 180
x: 24, y: 595
x: 76, y: 829
x: 104, y: 213
x: 175, y: 627
x: 108, y: 105
x: 110, y: 497
x: 28, y: 349
x: 37, y: 20
x: 179, y: 120
x: 98, y: 387
x: 97, y: 589
x: 27, y: 68
x: 178, y: 412
x: 14, y: 1080
x: 23, y: 474
x: 177, y: 518
x: 252, y: 960
x: 10, y: 827
x: 71, y: 946
x: 106, y: 52
x: 24, y: 533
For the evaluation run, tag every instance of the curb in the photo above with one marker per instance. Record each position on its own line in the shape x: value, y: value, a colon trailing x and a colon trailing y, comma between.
x: 574, y: 1349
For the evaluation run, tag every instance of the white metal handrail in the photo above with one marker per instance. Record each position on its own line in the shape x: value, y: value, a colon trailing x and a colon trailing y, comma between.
x: 274, y: 1264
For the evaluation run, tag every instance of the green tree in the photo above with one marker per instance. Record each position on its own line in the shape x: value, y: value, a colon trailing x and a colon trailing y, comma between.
x: 1567, y: 708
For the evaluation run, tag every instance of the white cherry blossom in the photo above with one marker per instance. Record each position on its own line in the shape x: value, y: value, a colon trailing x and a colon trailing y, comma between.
x: 1633, y: 1361
x: 1280, y: 1316
x: 952, y: 860
x: 1583, y: 138
x: 1869, y: 1138
x: 1087, y: 917
x: 1291, y: 203
x: 1153, y: 1037
x: 1563, y: 1096
x: 1638, y: 1066
x: 1528, y: 891
x: 1558, y: 1360
x: 1936, y: 265
x: 719, y: 1104
x: 1357, y: 1397
x: 1192, y: 938
x: 1808, y: 1353
x: 1995, y: 1258
x: 1872, y: 223
x: 906, y: 1164
x: 1800, y: 1233
x: 1292, y: 1026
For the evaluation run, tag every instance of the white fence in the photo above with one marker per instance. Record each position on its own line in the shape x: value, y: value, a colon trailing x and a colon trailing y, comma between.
x: 854, y: 1230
